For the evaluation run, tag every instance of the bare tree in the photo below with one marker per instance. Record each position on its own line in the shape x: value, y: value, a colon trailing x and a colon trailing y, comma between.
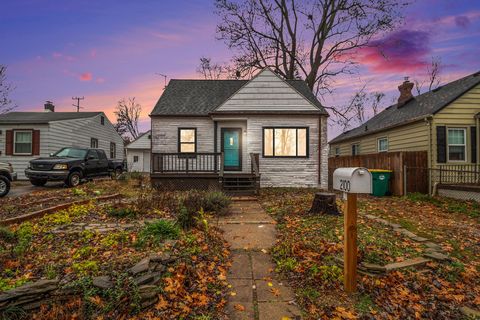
x: 6, y: 104
x: 310, y: 39
x: 211, y: 70
x: 128, y: 114
x: 357, y: 110
x: 433, y: 77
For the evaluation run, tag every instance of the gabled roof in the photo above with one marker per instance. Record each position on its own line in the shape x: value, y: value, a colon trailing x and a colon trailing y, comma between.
x: 417, y: 108
x: 140, y: 142
x: 201, y: 97
x: 43, y: 117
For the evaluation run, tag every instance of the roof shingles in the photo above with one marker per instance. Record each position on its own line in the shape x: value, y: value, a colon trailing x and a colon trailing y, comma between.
x: 420, y: 106
x: 43, y: 117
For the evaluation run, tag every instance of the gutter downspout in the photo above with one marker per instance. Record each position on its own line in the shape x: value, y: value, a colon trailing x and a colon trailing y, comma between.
x: 429, y: 121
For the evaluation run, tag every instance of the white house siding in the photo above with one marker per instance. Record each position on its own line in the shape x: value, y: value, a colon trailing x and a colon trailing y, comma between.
x: 20, y: 163
x: 266, y: 92
x: 139, y: 148
x: 287, y: 172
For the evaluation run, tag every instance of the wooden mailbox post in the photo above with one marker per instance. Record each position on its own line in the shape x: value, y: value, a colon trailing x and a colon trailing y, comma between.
x: 351, y: 181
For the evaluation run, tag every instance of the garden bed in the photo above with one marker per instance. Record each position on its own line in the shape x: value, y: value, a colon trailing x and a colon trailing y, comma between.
x: 310, y: 247
x: 91, y: 250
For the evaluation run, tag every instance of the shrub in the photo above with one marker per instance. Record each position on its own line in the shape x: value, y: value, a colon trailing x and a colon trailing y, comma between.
x: 121, y: 212
x: 216, y: 202
x: 24, y: 237
x: 158, y: 231
x: 6, y: 234
x: 78, y: 192
x: 85, y: 267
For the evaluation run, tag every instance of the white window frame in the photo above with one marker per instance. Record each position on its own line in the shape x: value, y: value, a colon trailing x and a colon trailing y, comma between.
x: 378, y: 144
x: 91, y: 143
x: 464, y: 145
x: 358, y: 148
x: 15, y: 142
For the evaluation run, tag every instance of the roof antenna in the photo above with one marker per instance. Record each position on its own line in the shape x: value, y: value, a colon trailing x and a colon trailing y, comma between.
x: 78, y: 103
x: 164, y: 78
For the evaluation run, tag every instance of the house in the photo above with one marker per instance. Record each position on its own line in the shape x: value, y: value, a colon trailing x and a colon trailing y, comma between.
x: 443, y: 123
x: 233, y: 134
x: 139, y: 154
x: 28, y: 135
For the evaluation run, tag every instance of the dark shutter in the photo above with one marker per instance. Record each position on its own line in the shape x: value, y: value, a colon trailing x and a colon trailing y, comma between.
x: 441, y: 144
x: 9, y: 143
x: 36, y: 142
x: 473, y: 143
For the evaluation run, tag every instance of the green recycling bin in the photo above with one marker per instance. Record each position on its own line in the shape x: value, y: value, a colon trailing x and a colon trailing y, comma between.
x: 380, y: 182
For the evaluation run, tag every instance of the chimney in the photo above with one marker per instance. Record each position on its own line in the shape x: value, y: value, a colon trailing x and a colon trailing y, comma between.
x: 405, y: 92
x: 49, y: 107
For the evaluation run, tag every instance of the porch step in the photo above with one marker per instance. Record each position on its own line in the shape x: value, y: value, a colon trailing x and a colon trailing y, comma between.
x: 240, y: 184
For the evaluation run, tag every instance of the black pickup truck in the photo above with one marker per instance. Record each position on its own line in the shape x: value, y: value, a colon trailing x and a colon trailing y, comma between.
x: 72, y: 165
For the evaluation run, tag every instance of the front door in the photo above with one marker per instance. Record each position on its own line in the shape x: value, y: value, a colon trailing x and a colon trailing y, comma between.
x: 232, y: 149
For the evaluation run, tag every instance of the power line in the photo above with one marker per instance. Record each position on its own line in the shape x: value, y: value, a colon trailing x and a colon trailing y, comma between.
x: 78, y: 103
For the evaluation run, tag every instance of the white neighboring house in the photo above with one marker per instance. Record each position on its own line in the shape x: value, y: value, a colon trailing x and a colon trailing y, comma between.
x: 139, y: 153
x: 266, y: 130
x: 28, y: 135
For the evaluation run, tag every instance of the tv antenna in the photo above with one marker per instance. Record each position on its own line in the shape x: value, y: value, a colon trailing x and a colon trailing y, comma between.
x: 78, y: 103
x: 164, y: 78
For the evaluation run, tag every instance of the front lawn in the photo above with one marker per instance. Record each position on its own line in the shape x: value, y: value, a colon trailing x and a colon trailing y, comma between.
x: 102, y: 241
x: 310, y: 247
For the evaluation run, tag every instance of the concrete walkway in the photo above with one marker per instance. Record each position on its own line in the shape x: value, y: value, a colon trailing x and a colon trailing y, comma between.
x: 255, y: 291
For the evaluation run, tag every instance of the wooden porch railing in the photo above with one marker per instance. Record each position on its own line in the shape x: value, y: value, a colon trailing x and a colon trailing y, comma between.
x: 185, y: 163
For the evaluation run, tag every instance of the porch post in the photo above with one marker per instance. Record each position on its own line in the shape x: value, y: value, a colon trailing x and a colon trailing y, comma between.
x: 215, y: 148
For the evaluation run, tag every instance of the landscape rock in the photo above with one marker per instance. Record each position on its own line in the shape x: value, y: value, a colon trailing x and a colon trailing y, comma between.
x: 35, y: 288
x: 142, y: 266
x: 432, y: 245
x: 147, y: 292
x: 437, y: 256
x: 406, y: 264
x: 374, y: 267
x: 469, y: 312
x: 102, y: 282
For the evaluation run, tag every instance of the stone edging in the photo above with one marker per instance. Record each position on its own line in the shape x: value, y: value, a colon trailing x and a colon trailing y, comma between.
x: 146, y: 275
x: 41, y: 213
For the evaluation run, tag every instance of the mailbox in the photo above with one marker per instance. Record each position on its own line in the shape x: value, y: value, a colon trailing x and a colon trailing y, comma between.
x: 352, y: 180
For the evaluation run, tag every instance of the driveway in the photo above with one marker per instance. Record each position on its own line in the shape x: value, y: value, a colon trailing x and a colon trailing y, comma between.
x: 20, y: 188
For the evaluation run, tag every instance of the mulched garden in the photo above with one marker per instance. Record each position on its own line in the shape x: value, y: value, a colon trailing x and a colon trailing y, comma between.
x: 105, y: 242
x: 310, y: 248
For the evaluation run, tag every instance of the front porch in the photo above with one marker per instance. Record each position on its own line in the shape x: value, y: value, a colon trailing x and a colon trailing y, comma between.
x: 204, y: 171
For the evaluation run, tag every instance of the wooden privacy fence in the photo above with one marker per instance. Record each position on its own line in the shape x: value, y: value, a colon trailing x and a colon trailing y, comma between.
x: 410, y: 169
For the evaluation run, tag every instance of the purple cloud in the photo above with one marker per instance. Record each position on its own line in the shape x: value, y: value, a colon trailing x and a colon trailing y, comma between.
x: 462, y: 21
x: 403, y: 50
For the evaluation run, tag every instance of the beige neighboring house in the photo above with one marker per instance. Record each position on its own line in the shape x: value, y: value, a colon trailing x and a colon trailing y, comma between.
x: 443, y: 122
x: 139, y: 154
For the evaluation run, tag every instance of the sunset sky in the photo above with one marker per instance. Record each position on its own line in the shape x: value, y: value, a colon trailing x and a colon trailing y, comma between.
x: 110, y: 49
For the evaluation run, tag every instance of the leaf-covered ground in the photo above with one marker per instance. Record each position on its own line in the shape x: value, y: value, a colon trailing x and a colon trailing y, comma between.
x: 108, y: 238
x: 307, y: 247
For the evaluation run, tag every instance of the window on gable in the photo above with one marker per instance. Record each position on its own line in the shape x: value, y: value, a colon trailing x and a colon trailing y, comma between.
x: 457, y: 138
x: 93, y: 143
x: 102, y: 120
x: 135, y: 158
x: 187, y: 140
x: 382, y: 144
x: 113, y: 150
x: 355, y: 149
x: 23, y: 142
x: 337, y: 151
x: 285, y: 142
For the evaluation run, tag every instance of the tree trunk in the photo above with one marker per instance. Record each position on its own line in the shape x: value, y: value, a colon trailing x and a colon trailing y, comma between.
x: 324, y: 203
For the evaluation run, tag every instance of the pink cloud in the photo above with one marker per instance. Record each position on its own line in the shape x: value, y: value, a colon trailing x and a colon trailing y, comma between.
x: 400, y: 51
x: 86, y: 76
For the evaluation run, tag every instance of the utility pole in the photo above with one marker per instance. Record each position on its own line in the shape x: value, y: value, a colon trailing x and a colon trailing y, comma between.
x: 164, y: 78
x: 78, y: 103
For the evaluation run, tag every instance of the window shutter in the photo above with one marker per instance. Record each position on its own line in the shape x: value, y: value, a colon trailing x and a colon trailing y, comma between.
x: 36, y: 142
x: 473, y: 142
x: 9, y: 143
x: 441, y: 144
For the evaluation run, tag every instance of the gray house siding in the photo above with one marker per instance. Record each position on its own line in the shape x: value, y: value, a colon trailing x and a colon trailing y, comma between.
x: 66, y: 133
x: 275, y: 172
x: 20, y: 162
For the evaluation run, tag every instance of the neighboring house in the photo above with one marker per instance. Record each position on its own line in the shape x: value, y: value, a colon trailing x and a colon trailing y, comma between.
x: 28, y: 135
x: 139, y: 154
x: 443, y: 122
x: 269, y: 130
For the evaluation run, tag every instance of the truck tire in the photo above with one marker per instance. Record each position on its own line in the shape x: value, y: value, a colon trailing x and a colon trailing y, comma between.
x: 38, y: 182
x: 4, y: 186
x: 74, y: 179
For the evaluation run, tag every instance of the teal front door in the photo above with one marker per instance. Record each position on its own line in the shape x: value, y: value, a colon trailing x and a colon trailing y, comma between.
x: 232, y: 149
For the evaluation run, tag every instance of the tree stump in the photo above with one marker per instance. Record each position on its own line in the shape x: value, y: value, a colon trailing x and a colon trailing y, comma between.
x: 324, y: 203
